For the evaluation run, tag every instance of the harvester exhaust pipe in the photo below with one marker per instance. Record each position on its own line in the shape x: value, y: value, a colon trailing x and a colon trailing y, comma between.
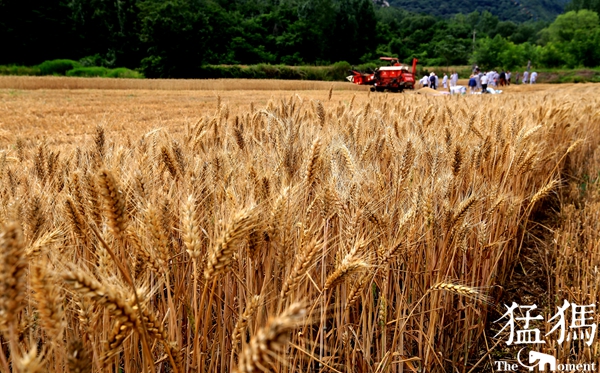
x: 414, y: 67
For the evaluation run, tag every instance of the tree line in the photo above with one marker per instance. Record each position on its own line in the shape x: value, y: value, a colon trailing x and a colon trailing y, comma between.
x: 177, y: 38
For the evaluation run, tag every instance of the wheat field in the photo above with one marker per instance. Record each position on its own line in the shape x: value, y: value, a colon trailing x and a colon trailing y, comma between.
x: 256, y: 230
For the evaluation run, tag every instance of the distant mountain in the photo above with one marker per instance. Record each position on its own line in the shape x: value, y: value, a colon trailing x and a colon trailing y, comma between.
x: 513, y: 10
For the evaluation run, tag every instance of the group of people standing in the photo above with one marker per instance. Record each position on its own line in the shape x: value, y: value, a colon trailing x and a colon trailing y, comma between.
x: 528, y: 79
x: 480, y: 81
x: 432, y: 81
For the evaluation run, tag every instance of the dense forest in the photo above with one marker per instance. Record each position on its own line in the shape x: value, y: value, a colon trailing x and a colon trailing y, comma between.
x: 506, y: 10
x: 176, y: 38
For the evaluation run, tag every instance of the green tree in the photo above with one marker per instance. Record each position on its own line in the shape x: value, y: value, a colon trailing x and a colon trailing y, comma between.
x: 36, y: 30
x: 565, y: 26
x: 525, y: 32
x: 487, y: 52
x: 109, y: 30
x: 593, y: 5
x: 572, y: 40
x: 505, y: 29
x: 451, y: 51
x: 177, y: 36
x: 513, y: 55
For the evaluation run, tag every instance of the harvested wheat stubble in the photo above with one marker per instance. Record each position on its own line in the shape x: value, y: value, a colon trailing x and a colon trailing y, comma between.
x: 223, y: 213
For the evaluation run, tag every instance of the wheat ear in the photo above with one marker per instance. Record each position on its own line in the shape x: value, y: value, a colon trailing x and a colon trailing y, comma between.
x: 114, y: 203
x: 49, y: 302
x: 463, y: 290
x: 349, y: 265
x: 302, y: 264
x: 242, y: 323
x: 13, y: 268
x: 270, y: 340
x: 221, y: 254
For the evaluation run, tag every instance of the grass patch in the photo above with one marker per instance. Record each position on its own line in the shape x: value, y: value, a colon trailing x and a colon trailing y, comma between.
x: 103, y: 72
x: 19, y: 70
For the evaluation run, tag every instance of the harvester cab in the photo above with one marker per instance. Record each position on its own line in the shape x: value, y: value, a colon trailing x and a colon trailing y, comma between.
x: 395, y: 77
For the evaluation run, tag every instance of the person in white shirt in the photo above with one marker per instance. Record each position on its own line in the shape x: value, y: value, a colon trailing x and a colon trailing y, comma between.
x: 533, y: 78
x: 445, y: 81
x: 508, y: 74
x: 490, y: 76
x: 484, y: 83
x: 525, y: 76
x: 454, y: 80
x: 425, y: 81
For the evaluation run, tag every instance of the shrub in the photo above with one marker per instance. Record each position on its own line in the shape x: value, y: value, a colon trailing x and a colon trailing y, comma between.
x: 122, y: 72
x: 92, y: 71
x: 337, y: 71
x: 57, y: 67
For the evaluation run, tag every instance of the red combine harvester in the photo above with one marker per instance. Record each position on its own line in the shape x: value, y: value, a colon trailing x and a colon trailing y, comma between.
x: 395, y: 77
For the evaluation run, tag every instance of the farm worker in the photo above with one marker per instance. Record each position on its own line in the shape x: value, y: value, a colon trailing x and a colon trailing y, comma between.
x: 508, y: 78
x: 425, y: 81
x: 484, y: 83
x: 472, y: 83
x: 525, y: 76
x: 454, y: 79
x: 502, y: 79
x: 490, y: 76
x: 445, y: 81
x: 432, y: 81
x: 437, y: 81
x: 478, y: 80
x: 533, y: 78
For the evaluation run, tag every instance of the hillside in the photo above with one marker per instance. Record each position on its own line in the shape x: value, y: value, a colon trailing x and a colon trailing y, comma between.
x: 514, y: 10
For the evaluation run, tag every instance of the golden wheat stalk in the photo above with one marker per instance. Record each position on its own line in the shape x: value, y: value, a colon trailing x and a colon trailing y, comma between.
x: 49, y: 302
x: 242, y: 323
x: 221, y: 254
x: 304, y: 260
x: 466, y: 291
x: 107, y: 296
x: 313, y: 162
x: 13, y: 266
x: 543, y: 192
x: 350, y: 265
x: 269, y: 341
x: 114, y: 202
x: 191, y: 232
